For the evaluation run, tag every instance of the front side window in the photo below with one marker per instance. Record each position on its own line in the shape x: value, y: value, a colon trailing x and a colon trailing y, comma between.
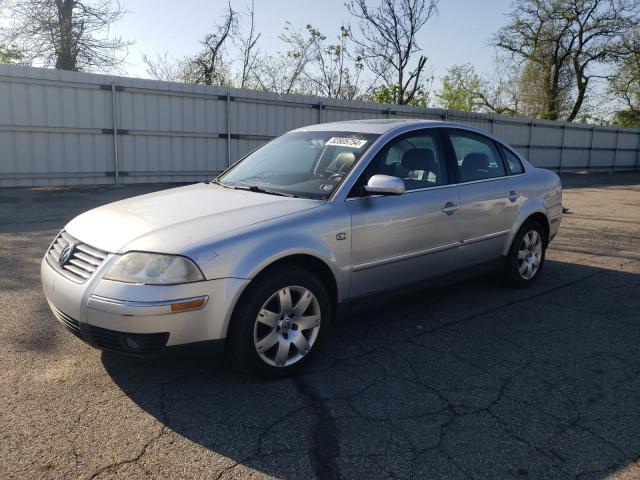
x: 514, y: 163
x: 476, y: 156
x: 418, y: 158
x: 302, y: 164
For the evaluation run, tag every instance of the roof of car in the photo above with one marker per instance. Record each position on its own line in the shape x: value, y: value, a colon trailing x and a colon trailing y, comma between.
x: 379, y: 126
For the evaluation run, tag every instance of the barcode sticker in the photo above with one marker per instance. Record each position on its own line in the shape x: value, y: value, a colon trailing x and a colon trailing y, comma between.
x: 346, y: 142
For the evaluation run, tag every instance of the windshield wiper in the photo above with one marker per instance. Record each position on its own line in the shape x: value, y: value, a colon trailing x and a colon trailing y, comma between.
x: 257, y: 189
x: 218, y: 182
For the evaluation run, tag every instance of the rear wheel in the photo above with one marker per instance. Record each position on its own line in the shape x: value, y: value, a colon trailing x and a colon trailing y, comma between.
x: 526, y: 256
x: 279, y: 323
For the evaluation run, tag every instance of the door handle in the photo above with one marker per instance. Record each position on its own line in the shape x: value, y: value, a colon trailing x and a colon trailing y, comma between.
x: 449, y: 208
x: 513, y: 195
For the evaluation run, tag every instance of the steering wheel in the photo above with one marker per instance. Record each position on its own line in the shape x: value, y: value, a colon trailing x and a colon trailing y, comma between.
x: 336, y: 176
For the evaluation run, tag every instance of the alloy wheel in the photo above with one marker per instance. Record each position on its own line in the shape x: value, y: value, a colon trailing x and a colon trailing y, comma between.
x: 287, y: 326
x: 530, y: 255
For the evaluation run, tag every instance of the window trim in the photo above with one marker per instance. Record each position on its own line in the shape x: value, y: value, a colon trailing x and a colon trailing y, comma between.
x: 439, y: 137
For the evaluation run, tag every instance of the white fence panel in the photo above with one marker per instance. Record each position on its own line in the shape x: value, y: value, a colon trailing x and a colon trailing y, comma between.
x: 75, y: 128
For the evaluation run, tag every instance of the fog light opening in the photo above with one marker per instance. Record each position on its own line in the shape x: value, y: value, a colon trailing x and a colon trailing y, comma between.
x: 132, y: 343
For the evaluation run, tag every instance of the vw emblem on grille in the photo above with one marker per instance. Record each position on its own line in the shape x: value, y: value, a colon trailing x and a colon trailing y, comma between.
x: 66, y: 254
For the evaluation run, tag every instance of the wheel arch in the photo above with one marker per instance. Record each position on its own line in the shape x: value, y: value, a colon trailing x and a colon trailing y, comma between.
x: 539, y: 216
x: 542, y: 219
x: 306, y: 261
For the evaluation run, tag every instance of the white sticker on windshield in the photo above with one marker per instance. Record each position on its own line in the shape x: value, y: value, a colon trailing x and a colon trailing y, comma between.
x: 346, y: 142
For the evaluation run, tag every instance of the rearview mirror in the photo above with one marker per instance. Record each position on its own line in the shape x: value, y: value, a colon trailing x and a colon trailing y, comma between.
x: 385, y: 184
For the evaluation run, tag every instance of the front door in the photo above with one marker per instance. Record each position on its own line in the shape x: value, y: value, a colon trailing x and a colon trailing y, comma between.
x: 402, y: 239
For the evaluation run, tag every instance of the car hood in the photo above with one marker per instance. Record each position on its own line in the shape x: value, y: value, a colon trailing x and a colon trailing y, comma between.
x: 171, y: 221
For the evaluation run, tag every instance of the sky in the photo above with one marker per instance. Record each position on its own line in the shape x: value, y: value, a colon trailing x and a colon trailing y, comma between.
x: 459, y: 35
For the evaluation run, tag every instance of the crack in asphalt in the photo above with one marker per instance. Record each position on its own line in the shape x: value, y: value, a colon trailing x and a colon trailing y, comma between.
x: 326, y: 447
x: 134, y: 460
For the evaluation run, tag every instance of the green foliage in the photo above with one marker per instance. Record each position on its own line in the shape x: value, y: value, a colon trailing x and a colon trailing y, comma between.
x: 627, y: 118
x: 565, y: 46
x: 10, y: 54
x: 625, y: 86
x: 391, y: 94
x: 460, y: 87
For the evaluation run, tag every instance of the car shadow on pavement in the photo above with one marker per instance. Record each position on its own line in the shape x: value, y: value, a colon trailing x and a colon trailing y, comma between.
x: 477, y: 380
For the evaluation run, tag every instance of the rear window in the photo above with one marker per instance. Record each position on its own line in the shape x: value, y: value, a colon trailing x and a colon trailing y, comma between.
x: 477, y: 157
x: 514, y: 163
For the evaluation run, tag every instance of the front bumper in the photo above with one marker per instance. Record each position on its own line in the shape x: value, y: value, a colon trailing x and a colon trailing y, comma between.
x: 137, y: 319
x: 555, y: 218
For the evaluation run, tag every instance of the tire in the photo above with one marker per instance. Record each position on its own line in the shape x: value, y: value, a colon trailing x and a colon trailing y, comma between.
x: 526, y: 256
x: 263, y: 320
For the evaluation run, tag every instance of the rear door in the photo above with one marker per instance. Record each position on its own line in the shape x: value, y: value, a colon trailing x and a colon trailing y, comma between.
x: 488, y: 203
x: 403, y: 239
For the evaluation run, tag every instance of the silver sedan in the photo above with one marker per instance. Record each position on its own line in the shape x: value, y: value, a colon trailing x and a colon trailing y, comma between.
x: 296, y: 235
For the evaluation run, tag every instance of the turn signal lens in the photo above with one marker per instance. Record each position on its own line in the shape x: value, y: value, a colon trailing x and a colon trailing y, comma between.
x: 191, y: 305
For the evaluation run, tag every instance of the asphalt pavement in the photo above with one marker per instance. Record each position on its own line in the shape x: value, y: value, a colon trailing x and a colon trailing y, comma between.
x: 472, y: 381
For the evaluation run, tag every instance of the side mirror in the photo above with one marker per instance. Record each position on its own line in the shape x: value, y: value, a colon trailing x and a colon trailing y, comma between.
x: 385, y: 184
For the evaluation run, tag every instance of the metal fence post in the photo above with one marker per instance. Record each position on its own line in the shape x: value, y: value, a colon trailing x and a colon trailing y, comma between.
x: 637, y: 154
x: 593, y: 134
x: 114, y: 115
x: 319, y: 112
x: 530, y: 147
x: 615, y: 152
x: 564, y: 134
x: 228, y: 129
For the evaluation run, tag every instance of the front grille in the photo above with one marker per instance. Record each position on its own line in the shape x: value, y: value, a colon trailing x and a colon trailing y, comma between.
x: 120, y: 342
x: 70, y: 324
x: 83, y: 261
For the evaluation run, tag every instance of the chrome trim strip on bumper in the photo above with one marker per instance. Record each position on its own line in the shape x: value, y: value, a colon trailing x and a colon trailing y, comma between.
x: 136, y: 308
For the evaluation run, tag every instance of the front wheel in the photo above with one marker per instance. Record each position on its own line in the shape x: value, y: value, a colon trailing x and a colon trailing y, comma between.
x: 526, y: 256
x: 279, y: 323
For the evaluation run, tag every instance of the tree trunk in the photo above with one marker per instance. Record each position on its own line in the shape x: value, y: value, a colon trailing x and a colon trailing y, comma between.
x: 551, y: 102
x: 65, y: 50
x: 400, y: 90
x: 582, y: 83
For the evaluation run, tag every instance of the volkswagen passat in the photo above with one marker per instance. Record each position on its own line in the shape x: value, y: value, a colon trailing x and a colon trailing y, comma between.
x: 275, y: 249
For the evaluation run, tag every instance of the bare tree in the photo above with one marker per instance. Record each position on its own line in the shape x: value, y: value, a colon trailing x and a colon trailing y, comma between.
x: 334, y: 72
x: 166, y: 68
x: 249, y: 49
x: 284, y: 72
x: 579, y: 36
x: 67, y: 34
x: 388, y: 45
x: 210, y: 67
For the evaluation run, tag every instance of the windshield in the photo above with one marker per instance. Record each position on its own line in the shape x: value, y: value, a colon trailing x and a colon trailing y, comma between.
x: 301, y: 164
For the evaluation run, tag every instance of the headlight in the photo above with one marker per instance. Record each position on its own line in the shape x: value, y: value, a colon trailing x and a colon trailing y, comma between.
x: 153, y: 268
